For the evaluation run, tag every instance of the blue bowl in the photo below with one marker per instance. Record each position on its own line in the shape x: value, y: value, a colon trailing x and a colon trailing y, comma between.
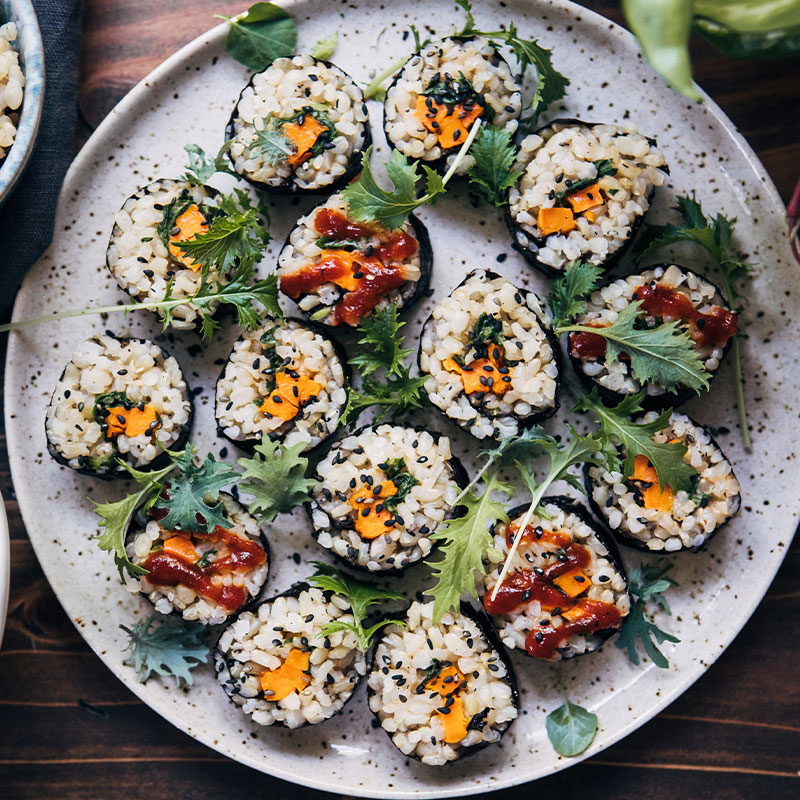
x: 29, y: 44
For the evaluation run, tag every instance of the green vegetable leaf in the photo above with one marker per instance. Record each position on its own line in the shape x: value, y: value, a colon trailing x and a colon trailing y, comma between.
x: 637, y: 439
x: 398, y: 395
x: 275, y: 477
x: 398, y: 473
x: 173, y: 647
x: 570, y: 728
x: 361, y: 597
x: 265, y: 32
x: 325, y: 48
x: 271, y: 142
x: 663, y: 354
x: 662, y: 28
x: 603, y: 167
x: 382, y: 343
x: 116, y: 517
x: 569, y: 291
x: 469, y: 22
x: 193, y: 502
x: 493, y: 174
x: 201, y: 168
x: 465, y: 541
x: 647, y: 583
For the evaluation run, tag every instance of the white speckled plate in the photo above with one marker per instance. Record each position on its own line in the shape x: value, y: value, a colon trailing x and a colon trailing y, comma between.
x: 188, y: 99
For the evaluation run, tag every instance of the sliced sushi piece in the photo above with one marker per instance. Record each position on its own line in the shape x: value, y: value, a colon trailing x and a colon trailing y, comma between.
x: 667, y: 293
x: 440, y: 93
x: 299, y: 125
x: 203, y: 577
x: 286, y: 380
x: 442, y: 692
x: 143, y: 252
x: 339, y: 271
x: 584, y: 190
x: 118, y: 398
x: 381, y: 492
x: 492, y: 358
x: 566, y: 592
x: 275, y: 663
x: 636, y: 510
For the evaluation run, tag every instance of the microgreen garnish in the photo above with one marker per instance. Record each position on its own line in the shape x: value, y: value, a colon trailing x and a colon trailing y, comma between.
x: 260, y: 35
x: 271, y: 142
x: 433, y: 670
x: 360, y: 595
x: 570, y: 728
x: 714, y: 236
x: 205, y: 559
x: 173, y: 647
x: 648, y: 582
x: 579, y: 450
x: 182, y: 201
x: 492, y: 174
x: 637, y: 439
x: 326, y: 47
x: 367, y: 202
x: 605, y: 166
x: 551, y: 85
x: 568, y: 295
x: 465, y: 540
x: 275, y: 477
x: 398, y: 473
x: 201, y: 168
x: 374, y: 89
x: 487, y: 328
x: 398, y: 393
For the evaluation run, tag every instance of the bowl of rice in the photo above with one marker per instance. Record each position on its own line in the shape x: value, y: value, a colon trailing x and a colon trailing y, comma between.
x: 21, y: 89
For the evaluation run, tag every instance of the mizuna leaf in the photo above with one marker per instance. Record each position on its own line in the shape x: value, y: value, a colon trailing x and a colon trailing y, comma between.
x: 381, y: 342
x: 492, y: 174
x: 201, y: 168
x: 568, y: 295
x: 173, y: 647
x: 275, y: 477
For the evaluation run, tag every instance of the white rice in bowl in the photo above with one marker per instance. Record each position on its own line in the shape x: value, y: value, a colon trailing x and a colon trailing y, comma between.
x: 568, y: 151
x: 443, y: 691
x: 566, y: 592
x: 285, y: 633
x: 12, y: 85
x: 522, y: 385
x: 352, y: 511
x: 110, y: 373
x: 674, y: 521
x: 223, y: 583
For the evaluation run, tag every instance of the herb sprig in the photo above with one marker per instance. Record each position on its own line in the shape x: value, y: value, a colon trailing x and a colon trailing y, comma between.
x: 570, y: 728
x: 172, y: 647
x: 714, y: 235
x: 202, y: 168
x: 492, y: 174
x: 647, y: 583
x: 260, y: 35
x: 637, y: 439
x: 361, y: 596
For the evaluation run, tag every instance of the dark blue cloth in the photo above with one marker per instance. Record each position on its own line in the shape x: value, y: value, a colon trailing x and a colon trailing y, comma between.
x: 26, y: 219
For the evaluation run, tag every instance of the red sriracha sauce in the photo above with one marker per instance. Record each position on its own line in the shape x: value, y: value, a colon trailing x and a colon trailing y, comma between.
x: 366, y: 277
x: 595, y: 616
x: 708, y: 330
x: 168, y: 569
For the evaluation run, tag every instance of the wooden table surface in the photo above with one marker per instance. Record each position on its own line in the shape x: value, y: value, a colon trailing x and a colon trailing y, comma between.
x: 70, y: 729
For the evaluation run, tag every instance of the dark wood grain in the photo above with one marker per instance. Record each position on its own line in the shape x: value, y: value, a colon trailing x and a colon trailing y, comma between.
x: 70, y: 729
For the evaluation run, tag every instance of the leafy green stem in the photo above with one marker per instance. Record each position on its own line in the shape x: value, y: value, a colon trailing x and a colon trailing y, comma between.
x: 747, y: 442
x: 375, y: 86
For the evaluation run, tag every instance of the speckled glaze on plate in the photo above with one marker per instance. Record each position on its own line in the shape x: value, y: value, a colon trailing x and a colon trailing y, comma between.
x: 189, y: 99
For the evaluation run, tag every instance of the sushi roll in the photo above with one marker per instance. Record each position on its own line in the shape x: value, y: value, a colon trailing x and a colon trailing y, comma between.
x: 278, y: 666
x: 667, y: 293
x: 118, y: 399
x: 339, y: 271
x: 566, y: 592
x: 637, y: 511
x: 584, y: 190
x: 143, y: 252
x: 491, y: 357
x: 300, y: 125
x: 287, y: 381
x: 441, y: 91
x: 380, y: 494
x: 203, y: 577
x: 442, y: 692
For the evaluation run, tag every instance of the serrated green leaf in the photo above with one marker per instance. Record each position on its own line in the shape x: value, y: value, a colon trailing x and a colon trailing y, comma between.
x: 276, y: 478
x: 493, y: 174
x: 382, y: 342
x: 173, y: 647
x: 465, y: 541
x: 570, y: 728
x: 569, y: 291
x: 201, y: 168
x: 637, y: 439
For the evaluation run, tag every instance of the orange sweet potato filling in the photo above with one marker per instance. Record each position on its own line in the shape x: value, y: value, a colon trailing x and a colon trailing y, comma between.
x: 291, y: 676
x: 482, y: 368
x: 289, y: 396
x: 182, y: 547
x: 454, y: 721
x: 370, y: 523
x: 555, y: 220
x: 136, y: 422
x: 586, y: 198
x: 654, y: 496
x: 573, y: 583
x: 450, y: 127
x: 187, y: 225
x: 303, y: 137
